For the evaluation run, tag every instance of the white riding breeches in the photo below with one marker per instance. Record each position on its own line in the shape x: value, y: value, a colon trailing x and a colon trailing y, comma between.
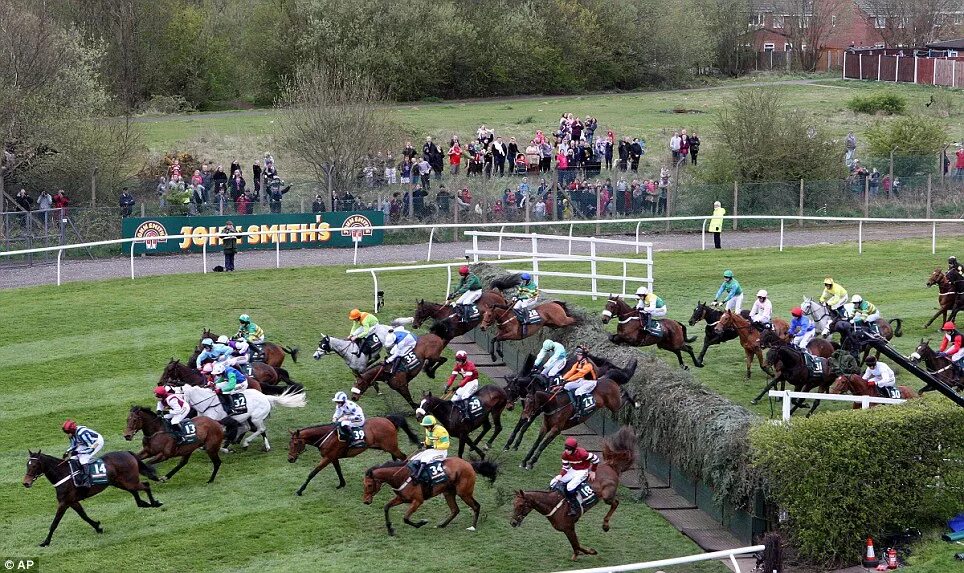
x: 957, y: 356
x: 430, y: 455
x: 872, y: 318
x: 524, y: 303
x: 469, y: 297
x: 573, y: 478
x: 735, y: 304
x: 176, y: 418
x: 553, y: 367
x: 581, y: 386
x: 463, y: 392
x: 90, y: 453
x: 237, y: 360
x: 656, y: 312
x: 802, y: 340
x: 402, y: 348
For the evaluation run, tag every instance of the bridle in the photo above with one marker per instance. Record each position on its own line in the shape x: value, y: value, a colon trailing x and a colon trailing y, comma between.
x: 629, y: 312
x: 812, y: 313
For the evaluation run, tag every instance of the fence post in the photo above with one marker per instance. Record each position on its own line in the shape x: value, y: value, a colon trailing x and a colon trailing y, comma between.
x: 93, y: 188
x: 928, y: 195
x: 934, y: 238
x: 528, y: 200
x: 592, y: 265
x: 455, y: 217
x: 866, y: 196
x: 736, y: 202
x: 800, y: 223
x: 485, y: 204
x: 143, y: 210
x: 598, y: 210
x: 781, y: 235
x: 535, y: 254
x: 860, y: 238
x: 302, y: 201
x: 786, y: 406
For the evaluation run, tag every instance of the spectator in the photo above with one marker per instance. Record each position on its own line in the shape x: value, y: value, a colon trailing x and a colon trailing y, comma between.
x: 418, y: 200
x: 44, y: 202
x: 539, y: 211
x: 391, y: 172
x: 674, y: 145
x: 275, y: 193
x: 591, y: 125
x: 455, y: 156
x: 513, y: 151
x: 235, y: 166
x: 243, y: 204
x: 256, y: 172
x: 874, y: 181
x: 318, y: 205
x: 395, y: 208
x: 716, y: 223
x: 207, y: 181
x: 229, y: 239
x: 219, y: 177
x: 424, y: 172
x: 545, y: 157
x: 623, y: 155
x: 270, y: 170
x: 197, y: 199
x: 635, y: 152
x: 237, y: 185
x: 959, y: 163
x: 175, y: 169
x: 196, y: 178
x: 161, y: 191
x: 442, y: 199
x: 126, y: 203
x: 433, y: 155
x: 498, y: 211
x: 464, y: 199
x: 851, y: 146
x: 694, y: 145
x: 499, y: 152
x: 61, y: 201
x: 24, y: 203
x: 684, y: 146
x: 406, y: 169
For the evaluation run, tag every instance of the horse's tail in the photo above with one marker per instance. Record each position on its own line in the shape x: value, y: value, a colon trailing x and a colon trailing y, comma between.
x: 402, y: 424
x: 898, y: 331
x: 290, y: 398
x: 565, y: 308
x: 620, y: 451
x: 486, y: 469
x: 284, y: 376
x: 622, y: 375
x: 145, y: 469
x: 505, y: 282
x: 686, y: 338
x: 293, y: 351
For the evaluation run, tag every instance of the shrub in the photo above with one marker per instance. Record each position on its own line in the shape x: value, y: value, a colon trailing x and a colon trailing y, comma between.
x: 845, y: 475
x: 882, y: 102
x: 917, y: 138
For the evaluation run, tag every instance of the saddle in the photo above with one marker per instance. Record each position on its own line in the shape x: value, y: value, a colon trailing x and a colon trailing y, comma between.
x: 431, y: 474
x: 407, y: 362
x: 528, y: 316
x: 184, y: 433
x: 257, y: 353
x: 471, y: 407
x: 653, y: 327
x: 92, y: 474
x: 582, y: 498
x: 814, y: 365
x: 583, y: 406
x: 355, y: 436
x: 889, y: 392
x: 469, y: 312
x: 370, y: 345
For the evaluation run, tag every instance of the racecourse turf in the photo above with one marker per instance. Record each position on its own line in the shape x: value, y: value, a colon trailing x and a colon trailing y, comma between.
x: 90, y: 350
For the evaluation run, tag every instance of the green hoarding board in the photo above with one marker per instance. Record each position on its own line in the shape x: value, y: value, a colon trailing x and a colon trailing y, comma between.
x: 291, y: 230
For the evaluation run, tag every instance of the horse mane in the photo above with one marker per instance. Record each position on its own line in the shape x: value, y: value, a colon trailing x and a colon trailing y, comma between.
x: 505, y: 282
x: 441, y: 328
x: 620, y: 450
x: 619, y: 376
x: 388, y: 464
x: 143, y: 410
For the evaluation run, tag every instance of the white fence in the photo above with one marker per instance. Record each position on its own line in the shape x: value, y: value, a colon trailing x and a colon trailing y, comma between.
x: 864, y: 401
x: 728, y: 554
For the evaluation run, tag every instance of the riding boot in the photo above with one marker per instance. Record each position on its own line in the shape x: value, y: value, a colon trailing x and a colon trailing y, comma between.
x: 574, y: 506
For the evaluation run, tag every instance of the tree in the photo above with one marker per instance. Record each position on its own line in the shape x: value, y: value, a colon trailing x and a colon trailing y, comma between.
x: 911, y: 22
x: 332, y: 119
x: 727, y: 31
x: 809, y: 26
x: 919, y: 139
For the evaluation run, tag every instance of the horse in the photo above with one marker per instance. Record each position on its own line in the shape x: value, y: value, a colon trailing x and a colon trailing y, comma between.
x: 349, y: 351
x: 179, y: 374
x: 461, y: 481
x: 160, y: 445
x: 749, y: 339
x: 558, y: 410
x: 949, y: 299
x: 817, y: 346
x: 444, y: 313
x: 619, y: 454
x: 206, y: 403
x: 428, y: 349
x: 123, y: 471
x: 493, y: 399
x: 554, y: 314
x: 631, y: 332
x: 790, y: 367
x: 266, y: 376
x: 818, y: 312
x: 274, y: 354
x: 380, y: 433
x: 382, y: 373
x: 845, y: 329
x: 856, y: 385
x: 711, y: 315
x: 940, y: 367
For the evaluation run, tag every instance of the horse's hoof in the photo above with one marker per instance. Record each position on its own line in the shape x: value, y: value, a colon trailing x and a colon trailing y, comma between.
x: 590, y: 551
x: 523, y: 466
x: 754, y: 402
x: 44, y: 543
x: 605, y: 527
x: 472, y: 528
x: 685, y: 367
x: 156, y: 504
x: 420, y: 523
x: 299, y: 493
x: 97, y: 527
x: 391, y: 532
x: 266, y: 448
x: 163, y: 478
x: 225, y: 451
x: 699, y: 364
x: 339, y: 486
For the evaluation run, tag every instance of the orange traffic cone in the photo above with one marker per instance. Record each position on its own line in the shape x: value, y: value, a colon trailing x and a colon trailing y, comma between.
x: 870, y: 560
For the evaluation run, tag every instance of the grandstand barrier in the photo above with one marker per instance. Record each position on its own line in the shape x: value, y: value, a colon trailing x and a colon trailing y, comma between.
x: 864, y: 401
x: 729, y: 554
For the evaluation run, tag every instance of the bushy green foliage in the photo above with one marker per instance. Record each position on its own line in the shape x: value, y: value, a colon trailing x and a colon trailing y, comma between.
x: 849, y: 474
x: 888, y: 103
x: 918, y: 139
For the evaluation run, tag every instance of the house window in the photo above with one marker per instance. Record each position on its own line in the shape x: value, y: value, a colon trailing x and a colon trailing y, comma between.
x: 787, y: 47
x: 833, y: 21
x: 778, y: 21
x: 768, y: 47
x: 880, y: 22
x: 902, y: 23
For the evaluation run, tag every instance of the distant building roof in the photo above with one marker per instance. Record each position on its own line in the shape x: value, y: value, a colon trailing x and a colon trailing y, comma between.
x: 957, y: 44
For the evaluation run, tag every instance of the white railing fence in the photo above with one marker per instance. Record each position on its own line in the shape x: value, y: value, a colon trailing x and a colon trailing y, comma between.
x: 864, y: 401
x: 729, y: 554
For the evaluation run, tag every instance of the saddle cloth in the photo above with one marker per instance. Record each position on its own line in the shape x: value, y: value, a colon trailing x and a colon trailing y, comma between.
x: 408, y: 361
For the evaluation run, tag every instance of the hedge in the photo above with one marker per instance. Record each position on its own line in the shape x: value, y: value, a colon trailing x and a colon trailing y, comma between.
x: 883, y: 102
x: 844, y: 475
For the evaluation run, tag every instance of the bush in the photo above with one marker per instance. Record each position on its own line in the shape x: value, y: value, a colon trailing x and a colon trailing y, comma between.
x: 845, y: 475
x: 917, y: 138
x: 882, y: 102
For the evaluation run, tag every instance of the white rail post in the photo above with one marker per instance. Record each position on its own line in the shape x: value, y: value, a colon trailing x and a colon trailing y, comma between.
x: 638, y: 223
x: 501, y: 230
x: 204, y: 256
x: 864, y: 402
x: 649, y: 265
x: 375, y: 281
x: 592, y: 265
x: 448, y: 280
x: 535, y: 254
x: 475, y: 247
x: 624, y: 278
x: 59, y: 253
x: 781, y: 235
x: 277, y: 251
x: 736, y: 565
x: 132, y: 259
x: 354, y: 256
x: 860, y: 238
x: 570, y: 238
x: 786, y: 406
x: 934, y: 238
x: 703, y: 235
x: 431, y: 237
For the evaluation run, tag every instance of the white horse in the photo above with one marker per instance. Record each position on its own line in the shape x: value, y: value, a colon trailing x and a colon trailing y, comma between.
x: 816, y: 311
x: 206, y: 403
x: 348, y: 350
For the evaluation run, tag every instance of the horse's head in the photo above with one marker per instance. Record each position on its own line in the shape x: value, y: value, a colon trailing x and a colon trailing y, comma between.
x: 937, y: 277
x: 427, y: 405
x: 698, y: 313
x: 841, y: 384
x: 35, y: 468
x: 521, y: 506
x: 726, y: 321
x: 135, y: 423
x: 534, y: 402
x: 423, y: 311
x: 364, y: 380
x: 611, y: 309
x: 922, y: 352
x: 324, y: 347
x: 514, y: 387
x: 170, y: 373
x: 371, y: 485
x: 488, y: 317
x: 296, y: 445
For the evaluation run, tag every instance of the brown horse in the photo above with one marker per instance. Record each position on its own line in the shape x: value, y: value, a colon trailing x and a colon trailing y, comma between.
x: 940, y: 367
x: 948, y: 299
x: 383, y: 373
x: 380, y: 434
x: 554, y: 314
x: 160, y: 445
x: 493, y: 400
x: 619, y: 454
x: 444, y: 313
x: 856, y: 385
x: 630, y: 331
x: 123, y: 471
x: 749, y: 339
x: 178, y: 374
x: 461, y: 481
x: 558, y: 412
x: 274, y: 354
x: 790, y: 367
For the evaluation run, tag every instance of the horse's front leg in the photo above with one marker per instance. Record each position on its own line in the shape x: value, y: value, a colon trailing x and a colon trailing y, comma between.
x: 412, y: 507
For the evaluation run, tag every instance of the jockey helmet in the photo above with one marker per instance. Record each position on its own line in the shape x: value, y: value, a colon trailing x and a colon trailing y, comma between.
x: 762, y: 293
x: 548, y: 344
x: 828, y: 282
x: 728, y: 274
x: 429, y: 421
x: 207, y: 368
x: 857, y: 299
x: 207, y: 342
x: 463, y: 270
x: 952, y: 260
x: 340, y: 397
x: 461, y: 356
x: 525, y: 276
x: 354, y: 314
x: 949, y: 326
x: 244, y: 318
x: 218, y: 368
x: 871, y: 360
x: 797, y: 312
x: 70, y: 426
x: 571, y: 443
x: 223, y: 339
x: 160, y: 391
x: 642, y: 291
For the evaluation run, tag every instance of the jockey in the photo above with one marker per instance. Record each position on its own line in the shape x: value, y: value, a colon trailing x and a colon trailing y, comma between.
x: 239, y: 352
x: 578, y: 465
x: 801, y: 329
x: 347, y: 415
x: 466, y: 292
x: 882, y: 376
x: 864, y: 311
x: 470, y: 377
x: 954, y: 266
x: 733, y: 291
x: 834, y: 296
x: 953, y: 345
x: 228, y: 379
x: 580, y: 379
x: 404, y: 343
x: 84, y: 445
x: 252, y: 334
x: 176, y: 408
x: 554, y: 356
x: 760, y: 314
x: 650, y: 306
x: 362, y: 326
x: 436, y: 446
x: 525, y: 297
x: 212, y: 351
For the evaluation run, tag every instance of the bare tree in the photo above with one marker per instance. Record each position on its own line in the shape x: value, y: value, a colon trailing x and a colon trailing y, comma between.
x: 809, y: 27
x: 911, y: 23
x: 334, y: 120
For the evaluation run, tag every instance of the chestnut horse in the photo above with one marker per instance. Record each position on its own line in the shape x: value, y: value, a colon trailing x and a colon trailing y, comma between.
x: 178, y: 374
x: 123, y: 471
x: 443, y: 313
x: 554, y: 314
x: 749, y: 339
x: 940, y: 367
x: 383, y: 373
x: 160, y: 445
x: 949, y: 300
x: 461, y: 481
x: 493, y: 399
x: 631, y: 332
x: 274, y: 354
x: 856, y: 385
x: 619, y: 454
x: 790, y: 366
x: 380, y: 434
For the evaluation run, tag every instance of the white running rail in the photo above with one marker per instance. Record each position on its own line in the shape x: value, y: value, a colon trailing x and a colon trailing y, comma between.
x: 864, y: 401
x: 728, y: 554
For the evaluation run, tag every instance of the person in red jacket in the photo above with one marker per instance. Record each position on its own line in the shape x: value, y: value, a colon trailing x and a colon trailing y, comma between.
x: 953, y: 344
x: 470, y: 378
x: 578, y: 466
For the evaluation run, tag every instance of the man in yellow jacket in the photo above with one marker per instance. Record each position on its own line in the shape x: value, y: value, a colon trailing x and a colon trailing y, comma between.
x: 716, y: 223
